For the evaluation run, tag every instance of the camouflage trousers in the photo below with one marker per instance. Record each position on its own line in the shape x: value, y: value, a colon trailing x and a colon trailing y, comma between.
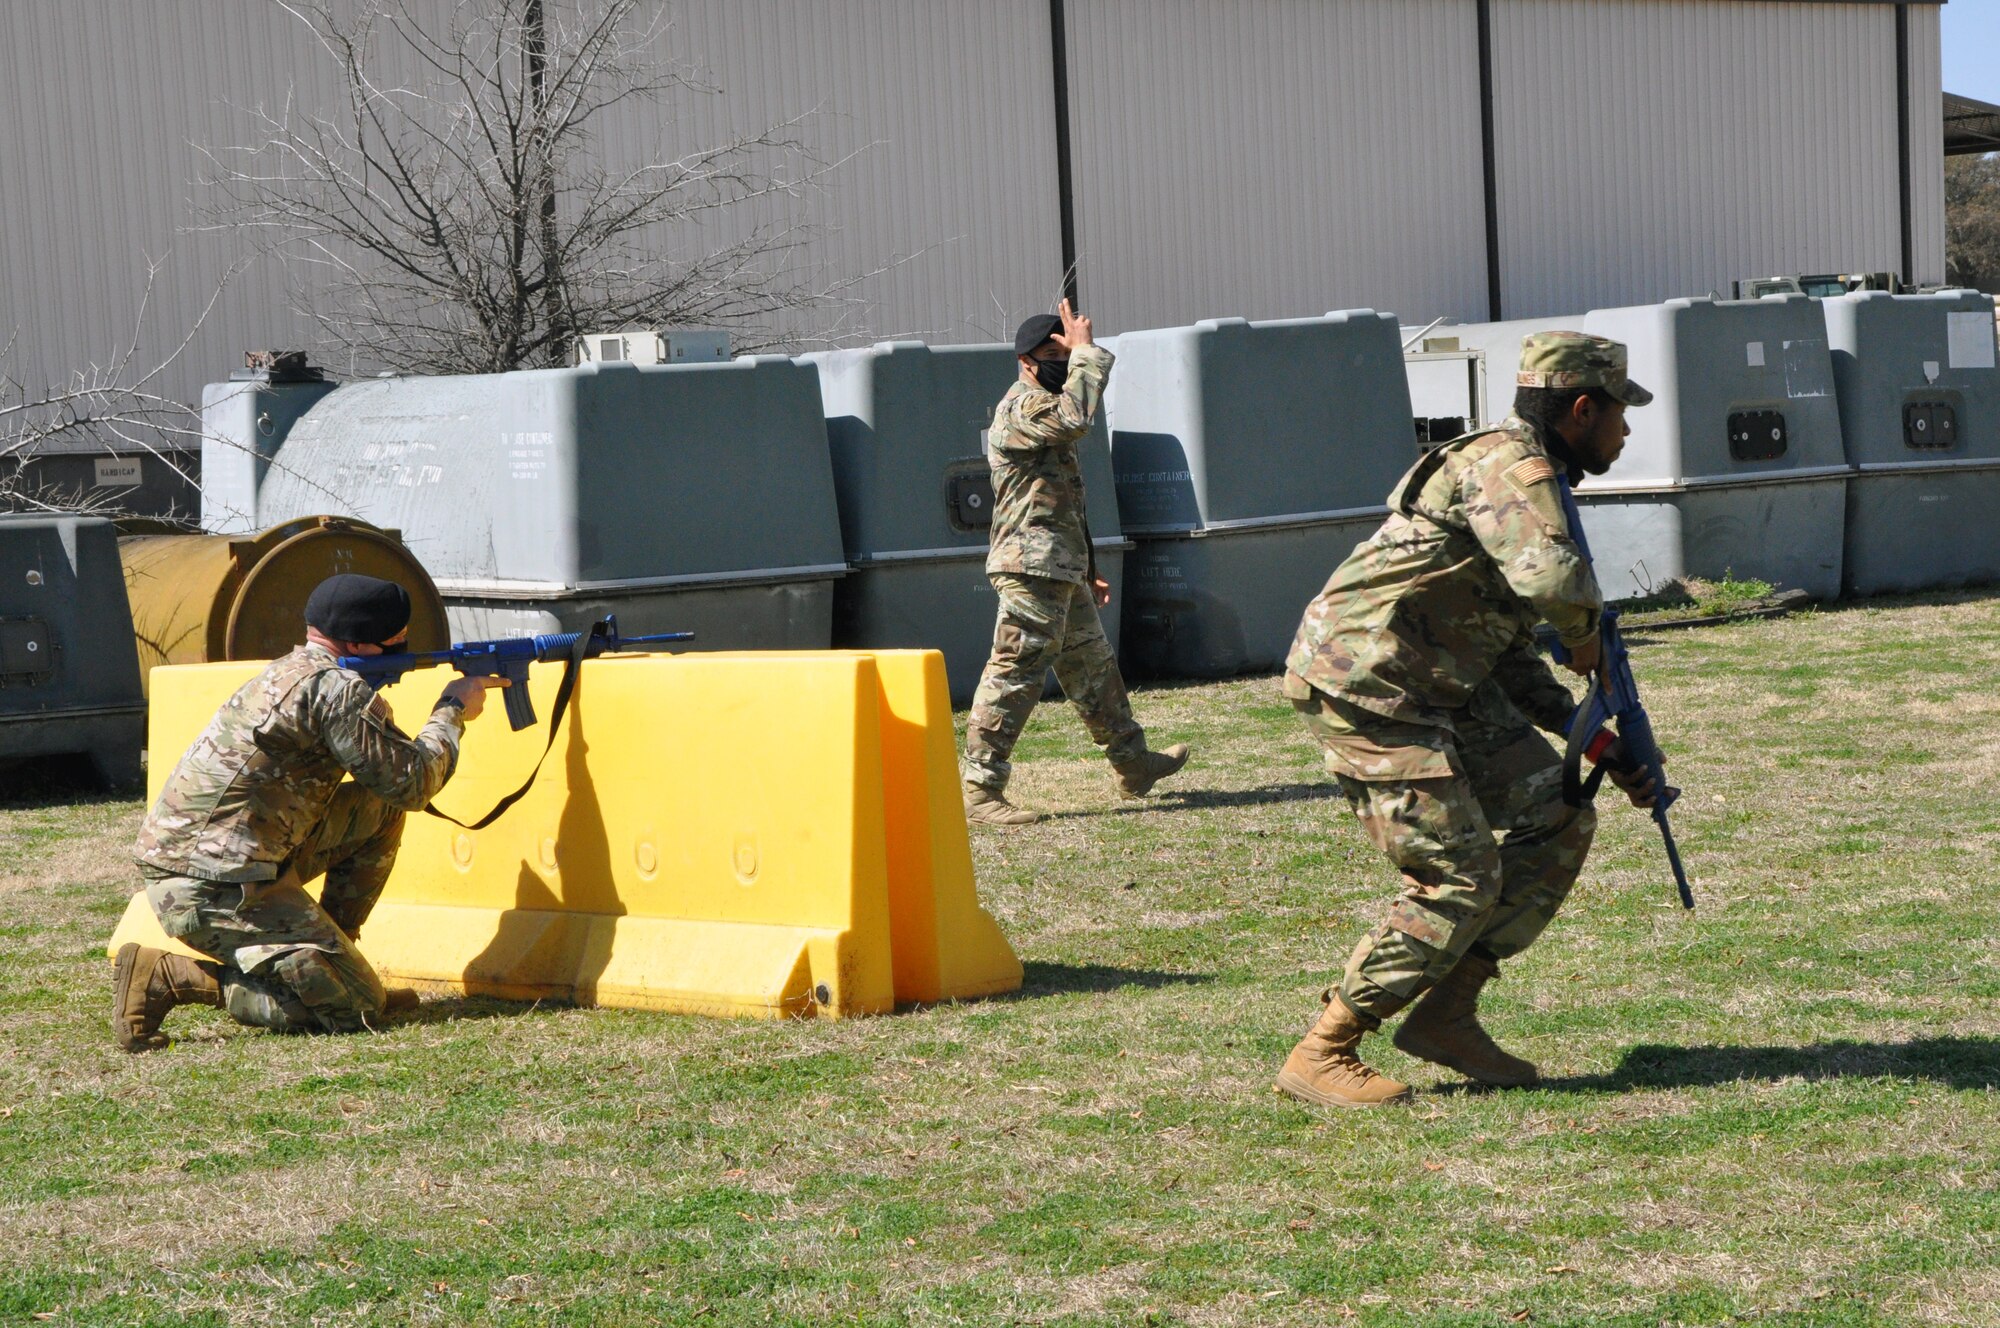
x: 289, y: 962
x: 1045, y: 624
x: 1433, y: 799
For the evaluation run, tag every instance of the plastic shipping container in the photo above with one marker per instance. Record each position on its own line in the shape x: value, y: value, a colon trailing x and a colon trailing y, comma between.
x: 1920, y: 409
x: 1736, y: 467
x: 683, y: 497
x: 907, y: 424
x: 243, y: 423
x: 69, y: 676
x: 87, y: 476
x: 1251, y: 458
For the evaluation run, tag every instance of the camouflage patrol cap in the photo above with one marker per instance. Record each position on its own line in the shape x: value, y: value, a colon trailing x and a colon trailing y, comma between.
x: 1574, y: 360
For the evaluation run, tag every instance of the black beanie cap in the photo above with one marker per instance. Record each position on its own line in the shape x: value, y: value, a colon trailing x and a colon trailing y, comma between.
x: 1035, y: 331
x: 352, y: 607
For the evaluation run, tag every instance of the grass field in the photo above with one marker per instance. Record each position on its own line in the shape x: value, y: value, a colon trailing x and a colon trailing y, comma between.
x: 1779, y: 1110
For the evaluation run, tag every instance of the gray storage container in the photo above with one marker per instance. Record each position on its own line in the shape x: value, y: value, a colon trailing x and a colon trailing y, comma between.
x: 69, y: 670
x: 691, y: 497
x: 907, y: 425
x: 1251, y: 459
x: 85, y: 475
x: 1920, y: 408
x: 243, y: 423
x: 1737, y: 465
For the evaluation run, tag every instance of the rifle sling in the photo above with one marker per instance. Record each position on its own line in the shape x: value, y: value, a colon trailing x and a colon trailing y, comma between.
x: 1578, y: 789
x: 577, y: 654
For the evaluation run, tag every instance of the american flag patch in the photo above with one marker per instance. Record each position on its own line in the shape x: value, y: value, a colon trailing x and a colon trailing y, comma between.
x: 1532, y: 471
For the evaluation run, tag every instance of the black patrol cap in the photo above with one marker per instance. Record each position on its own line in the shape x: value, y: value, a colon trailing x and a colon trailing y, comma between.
x: 1035, y: 331
x: 352, y: 607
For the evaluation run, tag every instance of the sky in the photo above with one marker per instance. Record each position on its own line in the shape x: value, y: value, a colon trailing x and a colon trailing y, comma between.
x: 1971, y: 42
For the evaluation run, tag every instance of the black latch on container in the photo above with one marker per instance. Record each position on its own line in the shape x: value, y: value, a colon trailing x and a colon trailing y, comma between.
x: 1757, y: 435
x: 968, y: 493
x: 27, y: 656
x: 1930, y: 425
x: 277, y: 366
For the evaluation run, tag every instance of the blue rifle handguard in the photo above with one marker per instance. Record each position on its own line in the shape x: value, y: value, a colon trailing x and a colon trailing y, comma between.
x: 1614, y: 698
x: 507, y: 659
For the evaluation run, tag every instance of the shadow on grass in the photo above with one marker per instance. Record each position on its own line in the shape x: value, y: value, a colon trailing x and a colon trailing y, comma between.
x: 1039, y: 979
x: 1956, y: 1062
x: 455, y: 1009
x: 1174, y: 799
x: 1910, y: 599
x: 56, y: 781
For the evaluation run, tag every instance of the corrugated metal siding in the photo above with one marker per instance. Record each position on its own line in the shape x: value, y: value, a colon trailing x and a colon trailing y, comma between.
x: 942, y: 110
x: 101, y: 103
x: 1761, y: 139
x: 1272, y: 158
x: 1254, y: 157
x: 941, y: 101
x: 1926, y: 143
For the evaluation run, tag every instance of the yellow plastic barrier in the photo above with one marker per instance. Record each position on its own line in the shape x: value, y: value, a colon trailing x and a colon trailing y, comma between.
x: 761, y: 834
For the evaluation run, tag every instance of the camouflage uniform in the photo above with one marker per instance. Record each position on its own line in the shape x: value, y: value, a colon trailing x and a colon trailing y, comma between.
x: 258, y: 807
x: 1416, y: 673
x: 1041, y: 564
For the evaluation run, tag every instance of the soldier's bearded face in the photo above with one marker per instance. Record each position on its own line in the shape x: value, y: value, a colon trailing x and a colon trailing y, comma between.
x: 1605, y: 431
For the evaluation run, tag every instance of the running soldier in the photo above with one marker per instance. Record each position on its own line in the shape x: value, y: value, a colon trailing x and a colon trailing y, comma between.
x: 1416, y: 673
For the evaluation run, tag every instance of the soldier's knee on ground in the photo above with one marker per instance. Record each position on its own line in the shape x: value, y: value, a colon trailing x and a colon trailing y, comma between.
x: 337, y: 996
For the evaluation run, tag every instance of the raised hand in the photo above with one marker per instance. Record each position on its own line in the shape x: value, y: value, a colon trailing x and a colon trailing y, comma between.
x: 1076, y: 328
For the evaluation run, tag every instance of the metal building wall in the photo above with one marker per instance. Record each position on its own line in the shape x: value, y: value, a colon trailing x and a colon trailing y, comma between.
x: 940, y: 112
x: 943, y: 107
x: 1926, y: 143
x: 1760, y: 137
x: 1254, y: 157
x: 101, y: 103
x: 1275, y: 158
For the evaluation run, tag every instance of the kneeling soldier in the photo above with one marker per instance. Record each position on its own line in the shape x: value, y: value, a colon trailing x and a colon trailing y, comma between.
x: 1415, y: 671
x: 258, y: 807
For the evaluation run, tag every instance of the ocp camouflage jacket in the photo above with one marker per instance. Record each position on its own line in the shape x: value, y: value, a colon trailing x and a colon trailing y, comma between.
x: 261, y: 775
x: 1038, y: 508
x: 1443, y: 599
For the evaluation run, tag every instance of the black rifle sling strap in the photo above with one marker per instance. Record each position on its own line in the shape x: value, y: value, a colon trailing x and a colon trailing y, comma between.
x: 1579, y: 790
x: 577, y: 654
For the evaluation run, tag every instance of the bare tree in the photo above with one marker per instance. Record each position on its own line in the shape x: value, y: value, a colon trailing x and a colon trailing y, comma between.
x: 458, y: 212
x: 116, y: 408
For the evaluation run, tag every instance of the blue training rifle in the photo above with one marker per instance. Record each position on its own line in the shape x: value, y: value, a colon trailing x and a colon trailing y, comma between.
x: 1615, y: 696
x: 510, y: 660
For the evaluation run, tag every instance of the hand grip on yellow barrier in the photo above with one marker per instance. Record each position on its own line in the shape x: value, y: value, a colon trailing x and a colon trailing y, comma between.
x: 764, y: 834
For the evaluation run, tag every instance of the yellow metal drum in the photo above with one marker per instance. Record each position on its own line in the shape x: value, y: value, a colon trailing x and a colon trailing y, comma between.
x: 197, y: 598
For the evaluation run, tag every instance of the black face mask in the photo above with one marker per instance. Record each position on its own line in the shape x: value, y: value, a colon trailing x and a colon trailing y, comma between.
x: 1052, y: 374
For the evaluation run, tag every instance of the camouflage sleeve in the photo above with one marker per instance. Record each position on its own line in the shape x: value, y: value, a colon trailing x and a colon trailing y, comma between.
x: 1533, y: 686
x: 1516, y: 513
x: 356, y: 726
x: 1041, y: 419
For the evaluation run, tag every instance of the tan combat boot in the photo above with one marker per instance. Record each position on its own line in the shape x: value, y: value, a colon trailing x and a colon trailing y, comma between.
x: 398, y: 999
x: 1136, y: 778
x: 1444, y: 1029
x: 150, y: 982
x: 985, y: 807
x: 1324, y: 1070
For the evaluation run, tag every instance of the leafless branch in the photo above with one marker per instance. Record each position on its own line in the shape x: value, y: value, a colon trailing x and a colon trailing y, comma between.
x: 115, y: 408
x: 465, y: 210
